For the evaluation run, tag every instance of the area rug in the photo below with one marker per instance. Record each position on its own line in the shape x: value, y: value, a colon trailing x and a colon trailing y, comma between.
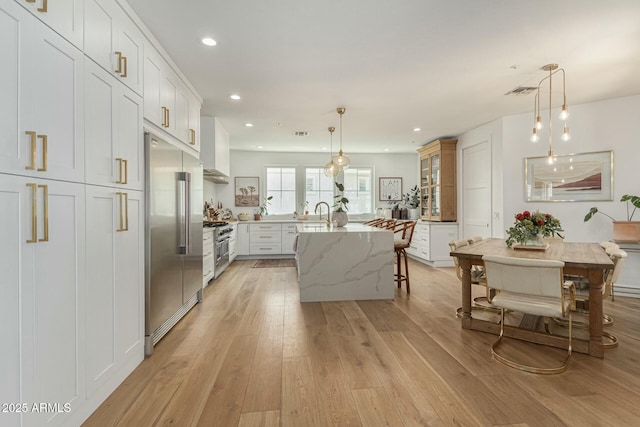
x: 268, y: 263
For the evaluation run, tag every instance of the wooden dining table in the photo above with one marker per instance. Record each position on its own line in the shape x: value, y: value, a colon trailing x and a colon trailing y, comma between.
x: 581, y: 259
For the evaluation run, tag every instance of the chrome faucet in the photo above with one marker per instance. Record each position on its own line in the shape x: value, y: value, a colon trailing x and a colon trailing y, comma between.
x: 328, y: 212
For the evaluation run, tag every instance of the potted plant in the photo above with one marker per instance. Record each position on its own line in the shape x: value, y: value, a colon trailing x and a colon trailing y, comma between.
x: 623, y: 231
x: 263, y: 209
x: 411, y: 200
x: 340, y: 207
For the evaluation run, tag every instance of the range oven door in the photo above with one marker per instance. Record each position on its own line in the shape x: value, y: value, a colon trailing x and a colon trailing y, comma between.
x: 221, y: 252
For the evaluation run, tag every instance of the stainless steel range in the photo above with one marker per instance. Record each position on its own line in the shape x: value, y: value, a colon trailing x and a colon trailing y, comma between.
x: 221, y: 235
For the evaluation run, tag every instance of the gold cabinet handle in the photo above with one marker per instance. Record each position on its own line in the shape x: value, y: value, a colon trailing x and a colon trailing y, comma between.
x: 164, y: 117
x: 125, y: 67
x: 34, y: 214
x: 32, y: 134
x: 124, y: 211
x: 192, y: 140
x: 126, y: 172
x: 44, y: 153
x: 119, y: 181
x: 119, y: 55
x: 44, y: 6
x: 168, y: 117
x: 45, y: 197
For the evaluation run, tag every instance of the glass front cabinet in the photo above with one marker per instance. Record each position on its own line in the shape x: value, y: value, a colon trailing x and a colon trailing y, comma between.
x: 438, y: 180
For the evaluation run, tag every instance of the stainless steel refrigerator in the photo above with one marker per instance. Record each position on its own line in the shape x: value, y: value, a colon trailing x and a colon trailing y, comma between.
x: 173, y: 235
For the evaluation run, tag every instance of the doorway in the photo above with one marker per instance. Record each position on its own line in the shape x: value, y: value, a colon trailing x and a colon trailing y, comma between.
x: 476, y: 190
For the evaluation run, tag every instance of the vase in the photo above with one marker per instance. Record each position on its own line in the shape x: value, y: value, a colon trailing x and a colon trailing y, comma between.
x: 413, y: 213
x: 341, y: 219
x: 535, y: 240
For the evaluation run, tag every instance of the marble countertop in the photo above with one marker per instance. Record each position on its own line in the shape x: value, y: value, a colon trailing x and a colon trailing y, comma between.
x: 349, y: 228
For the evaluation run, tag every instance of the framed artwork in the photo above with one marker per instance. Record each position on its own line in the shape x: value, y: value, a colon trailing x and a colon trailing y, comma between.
x: 569, y: 178
x: 247, y: 191
x: 390, y: 189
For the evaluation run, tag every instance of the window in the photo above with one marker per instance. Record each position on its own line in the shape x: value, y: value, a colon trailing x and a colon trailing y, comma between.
x: 281, y: 185
x: 358, y: 188
x: 318, y: 187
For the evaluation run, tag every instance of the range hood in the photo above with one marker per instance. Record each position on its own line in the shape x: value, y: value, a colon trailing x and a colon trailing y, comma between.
x: 215, y: 176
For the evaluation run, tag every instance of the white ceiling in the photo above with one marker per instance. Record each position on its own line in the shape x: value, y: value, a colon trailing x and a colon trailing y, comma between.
x: 441, y: 65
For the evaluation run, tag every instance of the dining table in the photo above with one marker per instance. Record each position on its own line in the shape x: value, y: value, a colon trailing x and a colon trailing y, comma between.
x: 587, y: 260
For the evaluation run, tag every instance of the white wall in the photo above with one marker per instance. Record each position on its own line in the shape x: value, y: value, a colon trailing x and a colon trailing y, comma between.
x: 607, y: 125
x: 252, y: 163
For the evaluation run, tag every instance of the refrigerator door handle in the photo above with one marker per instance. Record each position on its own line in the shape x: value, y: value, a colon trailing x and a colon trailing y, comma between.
x: 187, y: 210
x: 182, y: 213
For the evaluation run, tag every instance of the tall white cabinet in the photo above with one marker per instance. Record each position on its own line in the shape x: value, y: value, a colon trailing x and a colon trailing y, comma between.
x: 73, y: 207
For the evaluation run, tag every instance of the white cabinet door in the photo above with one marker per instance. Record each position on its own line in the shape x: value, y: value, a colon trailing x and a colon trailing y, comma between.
x: 51, y: 246
x: 168, y: 93
x: 41, y: 117
x: 288, y: 238
x: 182, y: 116
x: 113, y: 129
x: 64, y: 16
x: 194, y: 123
x: 242, y: 242
x: 152, y: 76
x: 54, y: 108
x: 115, y: 266
x: 113, y: 41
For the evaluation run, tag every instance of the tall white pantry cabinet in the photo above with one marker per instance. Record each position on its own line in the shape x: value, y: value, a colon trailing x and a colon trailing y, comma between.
x: 72, y: 208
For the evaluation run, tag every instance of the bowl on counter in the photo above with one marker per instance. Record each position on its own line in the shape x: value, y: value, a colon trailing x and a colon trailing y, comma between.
x: 243, y: 217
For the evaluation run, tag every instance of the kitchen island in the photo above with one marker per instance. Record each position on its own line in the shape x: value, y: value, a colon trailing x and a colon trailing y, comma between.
x: 354, y: 262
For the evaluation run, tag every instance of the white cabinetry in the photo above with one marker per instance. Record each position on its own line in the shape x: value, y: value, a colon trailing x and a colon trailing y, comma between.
x: 113, y: 42
x: 288, y: 237
x: 64, y: 16
x: 242, y: 241
x: 265, y: 239
x: 42, y: 230
x: 167, y: 102
x: 208, y: 262
x: 41, y: 114
x: 233, y: 238
x: 115, y: 270
x: 214, y: 146
x: 430, y: 242
x: 113, y: 123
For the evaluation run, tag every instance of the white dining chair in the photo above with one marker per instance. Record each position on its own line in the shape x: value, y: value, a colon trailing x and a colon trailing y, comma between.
x: 529, y: 286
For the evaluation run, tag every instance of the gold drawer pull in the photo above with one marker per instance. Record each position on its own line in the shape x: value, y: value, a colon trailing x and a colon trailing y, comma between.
x: 125, y: 67
x: 32, y: 136
x: 119, y: 70
x: 34, y: 214
x: 164, y: 117
x: 119, y: 181
x: 44, y: 153
x: 45, y: 197
x: 126, y: 171
x: 44, y: 6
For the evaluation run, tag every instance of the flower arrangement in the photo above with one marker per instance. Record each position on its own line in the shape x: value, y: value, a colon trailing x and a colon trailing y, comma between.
x: 411, y: 199
x: 533, y: 226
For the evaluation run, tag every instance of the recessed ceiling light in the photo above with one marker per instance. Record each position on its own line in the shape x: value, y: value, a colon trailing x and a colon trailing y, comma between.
x: 259, y: 146
x: 209, y: 41
x: 324, y: 148
x: 386, y: 149
x: 249, y: 125
x: 417, y: 129
x: 234, y: 97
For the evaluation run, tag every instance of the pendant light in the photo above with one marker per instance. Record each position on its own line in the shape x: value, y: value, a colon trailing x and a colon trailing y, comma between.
x: 564, y: 115
x: 341, y: 160
x: 330, y: 169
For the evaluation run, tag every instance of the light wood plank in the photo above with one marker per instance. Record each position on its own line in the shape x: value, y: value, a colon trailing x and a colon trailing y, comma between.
x: 260, y: 419
x: 299, y: 401
x: 375, y: 407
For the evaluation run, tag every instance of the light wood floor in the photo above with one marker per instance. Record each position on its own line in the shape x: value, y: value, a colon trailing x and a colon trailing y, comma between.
x: 252, y: 355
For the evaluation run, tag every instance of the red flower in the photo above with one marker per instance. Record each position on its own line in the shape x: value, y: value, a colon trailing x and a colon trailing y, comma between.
x: 547, y: 215
x: 540, y: 222
x: 526, y: 214
x: 519, y: 217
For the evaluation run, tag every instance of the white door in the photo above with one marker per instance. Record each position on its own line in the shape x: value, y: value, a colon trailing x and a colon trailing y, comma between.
x: 476, y: 190
x: 130, y: 138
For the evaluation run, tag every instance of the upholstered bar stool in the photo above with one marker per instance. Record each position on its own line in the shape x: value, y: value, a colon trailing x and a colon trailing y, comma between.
x: 404, y: 232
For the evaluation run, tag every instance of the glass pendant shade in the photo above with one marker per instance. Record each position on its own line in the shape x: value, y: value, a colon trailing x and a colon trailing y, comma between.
x: 341, y: 160
x: 331, y: 170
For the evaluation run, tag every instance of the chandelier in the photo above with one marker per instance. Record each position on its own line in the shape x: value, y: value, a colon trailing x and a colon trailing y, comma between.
x: 564, y: 114
x: 331, y: 169
x: 341, y: 160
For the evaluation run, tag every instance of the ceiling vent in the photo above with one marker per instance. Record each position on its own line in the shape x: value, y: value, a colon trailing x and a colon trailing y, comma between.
x: 521, y: 91
x: 301, y: 133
